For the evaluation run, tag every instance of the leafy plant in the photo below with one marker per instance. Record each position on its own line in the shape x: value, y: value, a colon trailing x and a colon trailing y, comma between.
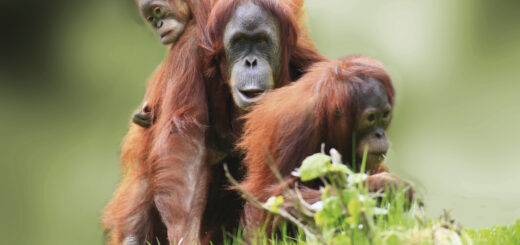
x: 349, y: 214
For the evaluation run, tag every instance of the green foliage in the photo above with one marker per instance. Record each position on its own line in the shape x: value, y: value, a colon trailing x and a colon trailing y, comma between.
x: 314, y: 166
x: 273, y: 204
x: 498, y: 235
x: 349, y: 214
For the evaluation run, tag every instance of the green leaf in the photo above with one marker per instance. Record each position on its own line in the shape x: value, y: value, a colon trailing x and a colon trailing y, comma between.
x: 354, y: 209
x: 338, y: 167
x: 333, y: 206
x: 349, y: 194
x: 314, y: 166
x: 323, y: 218
x: 352, y: 221
x: 330, y: 213
x: 341, y: 239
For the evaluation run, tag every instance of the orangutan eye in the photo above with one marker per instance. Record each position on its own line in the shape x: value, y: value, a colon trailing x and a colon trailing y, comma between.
x: 150, y: 19
x: 157, y: 11
x: 239, y: 40
x: 386, y: 114
x: 262, y: 41
x: 371, y: 117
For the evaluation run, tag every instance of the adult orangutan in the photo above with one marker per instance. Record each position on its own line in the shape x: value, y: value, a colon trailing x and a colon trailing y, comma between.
x: 334, y: 103
x: 253, y: 47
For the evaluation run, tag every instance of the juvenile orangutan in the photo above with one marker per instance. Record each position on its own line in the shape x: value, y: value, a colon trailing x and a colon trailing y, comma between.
x: 346, y: 104
x: 140, y: 210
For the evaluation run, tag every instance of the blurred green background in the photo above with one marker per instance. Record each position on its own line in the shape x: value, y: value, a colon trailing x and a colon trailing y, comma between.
x: 71, y: 74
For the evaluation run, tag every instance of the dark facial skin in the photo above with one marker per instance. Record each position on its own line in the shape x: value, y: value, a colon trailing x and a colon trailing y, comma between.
x: 253, y: 53
x: 143, y: 117
x: 374, y: 119
x: 167, y: 22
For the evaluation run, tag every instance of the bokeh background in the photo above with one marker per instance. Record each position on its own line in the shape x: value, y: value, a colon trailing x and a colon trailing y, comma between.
x: 72, y: 72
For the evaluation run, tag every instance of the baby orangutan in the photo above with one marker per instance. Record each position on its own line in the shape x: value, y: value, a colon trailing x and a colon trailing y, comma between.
x: 345, y: 104
x: 168, y: 18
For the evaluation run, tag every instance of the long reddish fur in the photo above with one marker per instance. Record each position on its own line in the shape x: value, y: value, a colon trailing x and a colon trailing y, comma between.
x: 292, y: 122
x: 173, y: 93
x: 298, y: 53
x: 165, y: 174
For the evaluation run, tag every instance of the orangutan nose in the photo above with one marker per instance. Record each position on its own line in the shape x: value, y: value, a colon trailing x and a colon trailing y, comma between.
x: 380, y: 133
x: 251, y: 62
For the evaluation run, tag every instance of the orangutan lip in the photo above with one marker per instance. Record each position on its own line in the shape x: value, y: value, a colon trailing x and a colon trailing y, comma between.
x: 379, y: 154
x: 166, y: 33
x: 251, y: 95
